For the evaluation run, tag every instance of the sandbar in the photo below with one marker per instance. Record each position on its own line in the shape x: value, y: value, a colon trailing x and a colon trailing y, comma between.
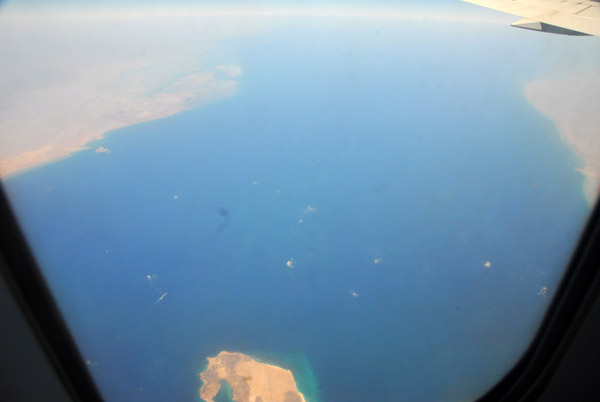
x: 573, y: 104
x: 250, y: 380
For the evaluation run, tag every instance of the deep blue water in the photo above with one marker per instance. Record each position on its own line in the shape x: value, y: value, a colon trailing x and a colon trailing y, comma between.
x: 413, y: 143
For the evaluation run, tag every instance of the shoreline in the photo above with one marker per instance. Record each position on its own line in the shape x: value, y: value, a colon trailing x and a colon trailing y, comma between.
x: 570, y: 104
x: 92, y: 122
x: 30, y: 160
x: 590, y: 172
x: 298, y: 363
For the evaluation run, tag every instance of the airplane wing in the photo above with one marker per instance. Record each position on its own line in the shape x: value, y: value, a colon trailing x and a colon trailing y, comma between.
x: 567, y: 17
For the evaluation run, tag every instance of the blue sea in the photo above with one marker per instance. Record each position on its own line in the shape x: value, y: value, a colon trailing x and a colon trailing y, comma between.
x: 347, y: 142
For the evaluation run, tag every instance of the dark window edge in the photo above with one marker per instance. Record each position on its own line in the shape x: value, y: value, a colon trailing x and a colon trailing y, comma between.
x: 39, y: 309
x: 578, y: 291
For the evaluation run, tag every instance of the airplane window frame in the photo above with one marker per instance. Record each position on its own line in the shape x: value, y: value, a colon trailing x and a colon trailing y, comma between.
x: 39, y: 309
x: 578, y: 291
x: 527, y: 380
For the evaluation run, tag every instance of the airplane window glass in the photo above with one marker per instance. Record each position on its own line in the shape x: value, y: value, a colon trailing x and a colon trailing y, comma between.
x: 299, y: 200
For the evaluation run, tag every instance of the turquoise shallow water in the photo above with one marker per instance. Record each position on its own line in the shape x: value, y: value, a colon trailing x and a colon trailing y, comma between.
x: 345, y: 143
x: 225, y: 394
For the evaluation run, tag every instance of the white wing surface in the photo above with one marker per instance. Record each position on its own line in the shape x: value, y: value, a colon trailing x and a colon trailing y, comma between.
x: 568, y: 17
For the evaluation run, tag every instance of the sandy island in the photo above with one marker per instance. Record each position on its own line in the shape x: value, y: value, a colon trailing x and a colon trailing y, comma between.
x: 573, y: 104
x: 249, y: 380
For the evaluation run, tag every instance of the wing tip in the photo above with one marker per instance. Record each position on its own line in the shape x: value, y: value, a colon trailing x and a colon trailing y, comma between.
x: 539, y: 26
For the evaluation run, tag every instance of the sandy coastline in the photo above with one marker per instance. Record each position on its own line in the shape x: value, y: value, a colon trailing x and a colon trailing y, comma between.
x: 249, y: 380
x: 71, y: 129
x: 573, y: 104
x: 65, y: 83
